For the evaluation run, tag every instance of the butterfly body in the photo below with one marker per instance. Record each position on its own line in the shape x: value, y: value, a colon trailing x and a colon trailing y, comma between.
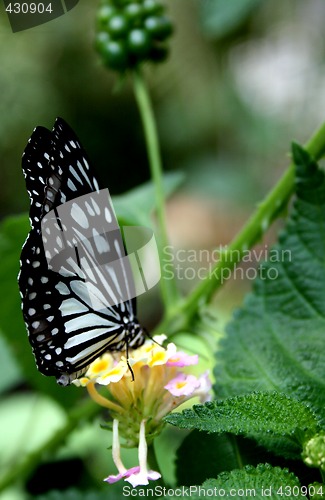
x: 66, y: 331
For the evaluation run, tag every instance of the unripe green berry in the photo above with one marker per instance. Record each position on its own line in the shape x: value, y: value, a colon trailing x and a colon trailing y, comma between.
x: 115, y: 54
x: 118, y: 26
x: 133, y: 12
x: 104, y: 14
x: 139, y: 42
x: 131, y: 31
x: 102, y: 39
x: 152, y: 7
x: 159, y: 27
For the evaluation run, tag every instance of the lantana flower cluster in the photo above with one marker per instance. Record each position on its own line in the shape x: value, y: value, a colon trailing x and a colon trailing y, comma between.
x: 140, y: 391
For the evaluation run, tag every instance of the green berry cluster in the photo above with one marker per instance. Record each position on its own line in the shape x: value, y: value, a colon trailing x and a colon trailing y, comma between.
x: 132, y: 31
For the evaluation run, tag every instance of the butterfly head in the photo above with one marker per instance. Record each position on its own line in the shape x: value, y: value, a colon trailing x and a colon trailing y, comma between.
x: 135, y: 334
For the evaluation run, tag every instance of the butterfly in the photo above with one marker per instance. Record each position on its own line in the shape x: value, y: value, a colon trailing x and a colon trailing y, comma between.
x: 66, y: 329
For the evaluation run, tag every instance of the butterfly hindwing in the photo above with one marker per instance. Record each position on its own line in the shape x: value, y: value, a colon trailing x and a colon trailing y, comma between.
x: 67, y: 316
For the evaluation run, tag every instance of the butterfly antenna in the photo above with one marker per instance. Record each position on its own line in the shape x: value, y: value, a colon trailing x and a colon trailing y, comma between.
x: 127, y: 358
x: 149, y: 336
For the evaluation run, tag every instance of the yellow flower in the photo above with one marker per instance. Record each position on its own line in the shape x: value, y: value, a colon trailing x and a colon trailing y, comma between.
x: 139, y: 392
x: 144, y: 387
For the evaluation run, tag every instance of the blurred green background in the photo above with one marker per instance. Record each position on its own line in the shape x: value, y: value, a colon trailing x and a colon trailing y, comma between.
x: 244, y: 78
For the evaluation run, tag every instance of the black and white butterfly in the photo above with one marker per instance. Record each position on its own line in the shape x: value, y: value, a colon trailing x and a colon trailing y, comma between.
x: 66, y: 331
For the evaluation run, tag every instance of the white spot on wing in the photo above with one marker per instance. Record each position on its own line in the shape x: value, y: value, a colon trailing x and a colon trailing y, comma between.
x: 91, y: 295
x: 79, y: 216
x: 59, y: 241
x: 76, y: 340
x: 74, y: 267
x: 72, y: 306
x: 74, y: 173
x: 62, y: 288
x: 101, y: 243
x: 89, y: 209
x: 89, y: 321
x: 108, y: 215
x: 96, y: 207
x: 95, y: 183
x: 71, y: 185
x: 85, y: 266
x: 83, y: 173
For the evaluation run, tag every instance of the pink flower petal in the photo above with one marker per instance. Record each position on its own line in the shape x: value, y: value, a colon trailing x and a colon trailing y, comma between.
x: 205, y: 387
x: 113, y: 479
x: 134, y: 476
x: 182, y: 359
x: 129, y: 472
x: 182, y: 385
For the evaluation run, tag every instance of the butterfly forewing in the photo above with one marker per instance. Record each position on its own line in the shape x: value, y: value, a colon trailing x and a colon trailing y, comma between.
x: 70, y: 173
x: 66, y: 277
x: 36, y: 170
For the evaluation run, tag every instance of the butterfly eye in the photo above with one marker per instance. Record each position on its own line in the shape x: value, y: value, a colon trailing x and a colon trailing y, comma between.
x: 63, y: 284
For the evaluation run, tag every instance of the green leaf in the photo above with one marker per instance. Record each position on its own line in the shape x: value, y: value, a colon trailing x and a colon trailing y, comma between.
x: 257, y: 482
x: 29, y: 420
x: 219, y: 17
x: 10, y: 374
x: 276, y: 340
x: 263, y: 481
x: 250, y: 415
x: 136, y: 206
x: 203, y: 455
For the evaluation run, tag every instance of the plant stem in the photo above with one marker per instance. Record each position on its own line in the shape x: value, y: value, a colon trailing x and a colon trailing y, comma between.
x: 168, y: 287
x: 30, y: 462
x: 182, y: 313
x: 100, y: 400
